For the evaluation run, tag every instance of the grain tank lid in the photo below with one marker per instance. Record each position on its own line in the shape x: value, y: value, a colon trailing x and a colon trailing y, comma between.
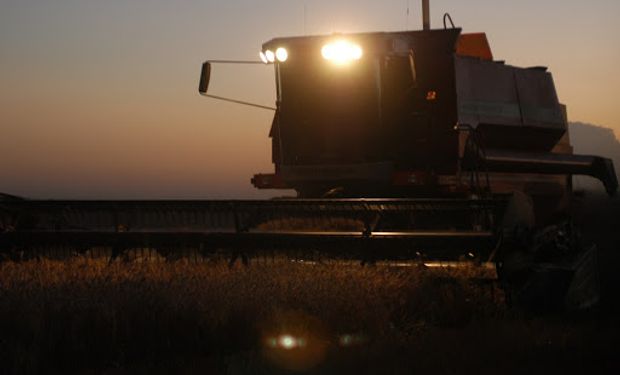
x: 474, y: 45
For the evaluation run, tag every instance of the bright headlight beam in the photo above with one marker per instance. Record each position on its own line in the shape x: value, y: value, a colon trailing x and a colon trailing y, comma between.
x: 271, y: 57
x: 281, y: 54
x: 263, y: 58
x: 341, y: 52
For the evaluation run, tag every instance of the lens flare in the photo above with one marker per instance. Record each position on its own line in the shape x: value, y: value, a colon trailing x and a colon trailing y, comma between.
x: 341, y: 52
x: 281, y: 54
x: 351, y: 339
x: 287, y: 342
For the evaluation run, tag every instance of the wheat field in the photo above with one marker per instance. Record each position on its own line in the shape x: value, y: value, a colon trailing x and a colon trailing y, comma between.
x: 88, y: 316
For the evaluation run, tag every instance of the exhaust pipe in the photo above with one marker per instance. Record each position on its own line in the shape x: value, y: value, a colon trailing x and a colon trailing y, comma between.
x: 426, y: 15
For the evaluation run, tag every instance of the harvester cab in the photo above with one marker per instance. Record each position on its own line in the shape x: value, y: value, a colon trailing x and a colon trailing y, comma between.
x: 362, y: 111
x: 356, y: 109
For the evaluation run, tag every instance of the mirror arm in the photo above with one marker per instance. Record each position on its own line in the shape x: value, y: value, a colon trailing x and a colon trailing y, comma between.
x: 235, y: 62
x: 238, y: 101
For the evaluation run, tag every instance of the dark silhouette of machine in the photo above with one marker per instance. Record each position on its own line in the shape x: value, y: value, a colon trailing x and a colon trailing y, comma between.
x: 416, y: 113
x: 413, y: 145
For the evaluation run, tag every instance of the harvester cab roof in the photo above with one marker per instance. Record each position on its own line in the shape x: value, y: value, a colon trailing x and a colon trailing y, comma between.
x: 353, y: 46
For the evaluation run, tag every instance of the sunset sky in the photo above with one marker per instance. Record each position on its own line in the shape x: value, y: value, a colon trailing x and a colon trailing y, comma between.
x: 99, y: 99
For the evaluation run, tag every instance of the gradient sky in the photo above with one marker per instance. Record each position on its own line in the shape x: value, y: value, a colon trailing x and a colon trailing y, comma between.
x: 98, y: 99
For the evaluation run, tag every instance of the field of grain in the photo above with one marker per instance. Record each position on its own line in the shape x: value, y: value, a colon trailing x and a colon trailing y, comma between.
x: 86, y: 316
x: 89, y: 316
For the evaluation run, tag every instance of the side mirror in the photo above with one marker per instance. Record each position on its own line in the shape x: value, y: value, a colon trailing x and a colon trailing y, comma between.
x: 205, y: 76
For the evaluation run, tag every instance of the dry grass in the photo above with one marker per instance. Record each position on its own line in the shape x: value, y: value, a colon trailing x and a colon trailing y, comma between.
x: 70, y: 317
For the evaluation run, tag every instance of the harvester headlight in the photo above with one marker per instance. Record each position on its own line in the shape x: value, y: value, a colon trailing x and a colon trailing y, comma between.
x: 271, y: 57
x: 341, y: 52
x: 281, y: 54
x: 263, y: 58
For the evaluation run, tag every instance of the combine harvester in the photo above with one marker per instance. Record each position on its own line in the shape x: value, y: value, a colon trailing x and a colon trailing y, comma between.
x: 412, y: 145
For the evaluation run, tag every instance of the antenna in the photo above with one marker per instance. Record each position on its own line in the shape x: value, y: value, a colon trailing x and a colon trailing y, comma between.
x: 304, y: 18
x: 407, y: 18
x: 426, y: 15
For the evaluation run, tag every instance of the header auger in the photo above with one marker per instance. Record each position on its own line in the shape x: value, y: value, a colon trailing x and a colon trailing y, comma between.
x: 412, y: 145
